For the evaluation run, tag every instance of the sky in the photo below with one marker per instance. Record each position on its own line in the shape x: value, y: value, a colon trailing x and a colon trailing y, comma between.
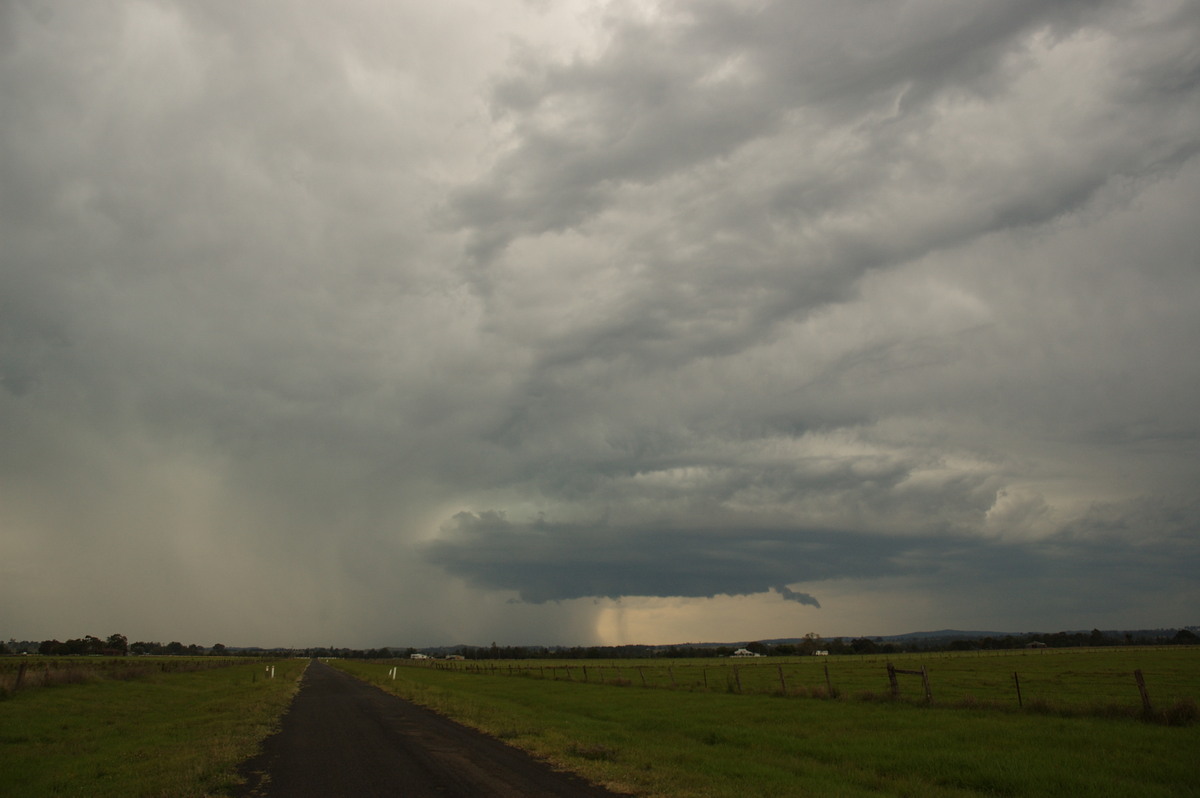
x: 595, y: 322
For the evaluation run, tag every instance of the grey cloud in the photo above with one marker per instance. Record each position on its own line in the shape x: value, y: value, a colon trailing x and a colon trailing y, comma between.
x: 658, y: 99
x: 755, y: 184
x: 789, y: 294
x: 551, y: 562
x: 792, y: 595
x: 543, y: 561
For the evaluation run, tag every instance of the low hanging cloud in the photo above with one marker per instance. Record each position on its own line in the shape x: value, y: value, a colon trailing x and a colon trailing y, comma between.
x: 543, y: 562
x: 800, y: 598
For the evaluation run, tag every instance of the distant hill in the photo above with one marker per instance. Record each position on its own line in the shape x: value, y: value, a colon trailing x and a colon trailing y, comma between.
x: 942, y: 634
x: 946, y: 634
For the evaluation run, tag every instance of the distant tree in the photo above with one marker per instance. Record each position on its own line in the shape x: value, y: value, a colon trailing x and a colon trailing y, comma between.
x: 218, y: 650
x: 810, y: 643
x: 5, y: 650
x: 839, y: 646
x: 174, y: 647
x: 758, y: 648
x: 118, y: 643
x: 81, y: 646
x: 1186, y: 637
x: 863, y: 645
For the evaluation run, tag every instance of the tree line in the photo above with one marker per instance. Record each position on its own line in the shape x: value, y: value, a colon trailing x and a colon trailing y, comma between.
x: 812, y: 643
x: 115, y: 645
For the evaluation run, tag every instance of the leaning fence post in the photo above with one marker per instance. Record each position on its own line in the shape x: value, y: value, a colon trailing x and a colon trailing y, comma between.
x: 782, y: 683
x: 1141, y: 684
x: 925, y: 681
x: 1017, y: 682
x: 891, y: 670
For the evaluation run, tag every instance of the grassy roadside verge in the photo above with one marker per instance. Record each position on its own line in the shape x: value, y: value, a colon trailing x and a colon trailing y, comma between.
x: 172, y: 734
x: 657, y: 742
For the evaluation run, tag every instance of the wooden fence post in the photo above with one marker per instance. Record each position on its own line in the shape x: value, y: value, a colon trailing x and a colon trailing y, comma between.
x: 1017, y: 682
x: 642, y: 674
x: 782, y: 683
x: 828, y: 683
x: 923, y: 673
x: 737, y: 678
x: 1141, y: 683
x: 671, y: 673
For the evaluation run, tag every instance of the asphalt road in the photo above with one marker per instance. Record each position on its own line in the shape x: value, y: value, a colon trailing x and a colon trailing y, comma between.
x: 343, y: 737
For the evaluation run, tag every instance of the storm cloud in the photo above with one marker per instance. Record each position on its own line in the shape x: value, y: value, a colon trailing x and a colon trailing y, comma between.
x: 851, y: 317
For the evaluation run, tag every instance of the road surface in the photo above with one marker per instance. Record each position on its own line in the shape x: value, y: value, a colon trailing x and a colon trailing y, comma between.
x: 343, y: 737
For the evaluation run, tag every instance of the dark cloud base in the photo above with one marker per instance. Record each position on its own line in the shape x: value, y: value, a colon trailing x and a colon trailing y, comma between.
x: 543, y: 561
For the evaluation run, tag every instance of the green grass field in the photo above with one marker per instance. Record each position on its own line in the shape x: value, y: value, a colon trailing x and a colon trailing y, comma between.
x: 1071, y: 681
x: 1082, y: 735
x: 171, y: 731
x: 28, y: 673
x: 152, y: 728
